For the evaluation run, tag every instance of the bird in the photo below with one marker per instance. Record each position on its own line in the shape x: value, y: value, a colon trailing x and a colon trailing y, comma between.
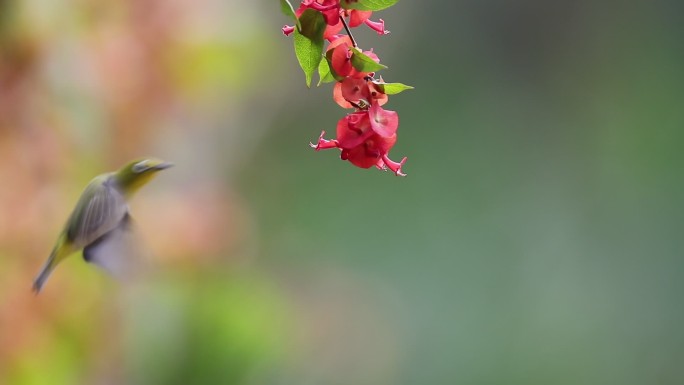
x: 101, y: 224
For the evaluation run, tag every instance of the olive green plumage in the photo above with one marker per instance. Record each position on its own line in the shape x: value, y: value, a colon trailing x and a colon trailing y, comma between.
x: 100, y: 220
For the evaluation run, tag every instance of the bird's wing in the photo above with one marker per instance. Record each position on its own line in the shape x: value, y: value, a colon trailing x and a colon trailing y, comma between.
x: 98, y: 211
x: 118, y: 252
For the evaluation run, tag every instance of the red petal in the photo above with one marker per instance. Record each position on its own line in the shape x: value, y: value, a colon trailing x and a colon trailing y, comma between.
x: 339, y: 99
x: 323, y: 144
x: 376, y: 95
x: 357, y: 17
x: 330, y: 10
x: 384, y: 122
x: 354, y: 90
x: 359, y: 157
x: 353, y: 130
x: 336, y: 40
x: 372, y: 55
x: 371, y: 151
x: 384, y: 145
x: 394, y: 166
x: 332, y: 29
x: 288, y: 29
x: 377, y: 26
x: 341, y: 62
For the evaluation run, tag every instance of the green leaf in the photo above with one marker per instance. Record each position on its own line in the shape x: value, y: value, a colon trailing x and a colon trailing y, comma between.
x: 392, y: 88
x: 308, y: 55
x: 312, y: 25
x: 328, y: 58
x: 289, y: 11
x: 368, y: 5
x: 362, y: 63
x: 325, y: 73
x: 308, y: 42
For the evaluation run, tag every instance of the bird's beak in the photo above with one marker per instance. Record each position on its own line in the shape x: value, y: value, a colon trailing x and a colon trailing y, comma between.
x: 162, y: 166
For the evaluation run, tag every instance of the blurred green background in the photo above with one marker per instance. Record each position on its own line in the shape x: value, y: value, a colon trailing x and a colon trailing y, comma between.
x: 536, y: 240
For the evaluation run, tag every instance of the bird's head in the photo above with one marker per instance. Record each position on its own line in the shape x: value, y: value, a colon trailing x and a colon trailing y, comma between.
x: 138, y: 172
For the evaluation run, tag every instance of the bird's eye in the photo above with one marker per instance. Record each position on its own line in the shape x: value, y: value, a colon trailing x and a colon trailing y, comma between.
x: 140, y: 167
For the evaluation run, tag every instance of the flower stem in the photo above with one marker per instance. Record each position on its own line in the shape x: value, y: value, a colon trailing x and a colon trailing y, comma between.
x: 346, y: 28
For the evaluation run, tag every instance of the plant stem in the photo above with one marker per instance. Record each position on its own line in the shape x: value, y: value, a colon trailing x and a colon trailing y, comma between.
x: 346, y: 28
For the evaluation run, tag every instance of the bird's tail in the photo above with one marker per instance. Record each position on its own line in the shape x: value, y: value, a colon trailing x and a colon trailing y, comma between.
x: 42, y: 277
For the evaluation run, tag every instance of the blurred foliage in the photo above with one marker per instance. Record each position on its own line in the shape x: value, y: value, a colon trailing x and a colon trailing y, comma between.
x: 535, y: 240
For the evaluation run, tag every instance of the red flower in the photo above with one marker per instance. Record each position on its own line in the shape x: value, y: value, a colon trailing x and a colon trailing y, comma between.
x: 365, y: 136
x: 341, y: 58
x: 358, y: 91
x: 357, y: 18
x: 365, y: 139
x: 353, y: 129
x: 377, y: 26
x: 332, y: 29
x: 353, y: 90
x: 288, y: 29
x: 370, y: 153
x: 330, y: 9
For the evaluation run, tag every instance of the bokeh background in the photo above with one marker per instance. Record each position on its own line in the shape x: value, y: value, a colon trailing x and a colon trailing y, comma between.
x: 536, y: 240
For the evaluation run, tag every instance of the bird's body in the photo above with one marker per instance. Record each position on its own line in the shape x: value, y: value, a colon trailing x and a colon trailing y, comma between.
x: 100, y: 221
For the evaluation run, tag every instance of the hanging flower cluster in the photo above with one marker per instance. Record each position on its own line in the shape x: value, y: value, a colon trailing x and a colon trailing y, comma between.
x: 366, y: 135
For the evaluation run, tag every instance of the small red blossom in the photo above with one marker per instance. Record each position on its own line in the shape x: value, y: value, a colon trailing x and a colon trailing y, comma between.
x: 364, y: 143
x: 377, y: 26
x: 338, y: 98
x: 353, y: 129
x: 355, y: 90
x: 356, y: 17
x: 359, y: 92
x: 329, y: 8
x: 341, y: 60
x: 288, y: 29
